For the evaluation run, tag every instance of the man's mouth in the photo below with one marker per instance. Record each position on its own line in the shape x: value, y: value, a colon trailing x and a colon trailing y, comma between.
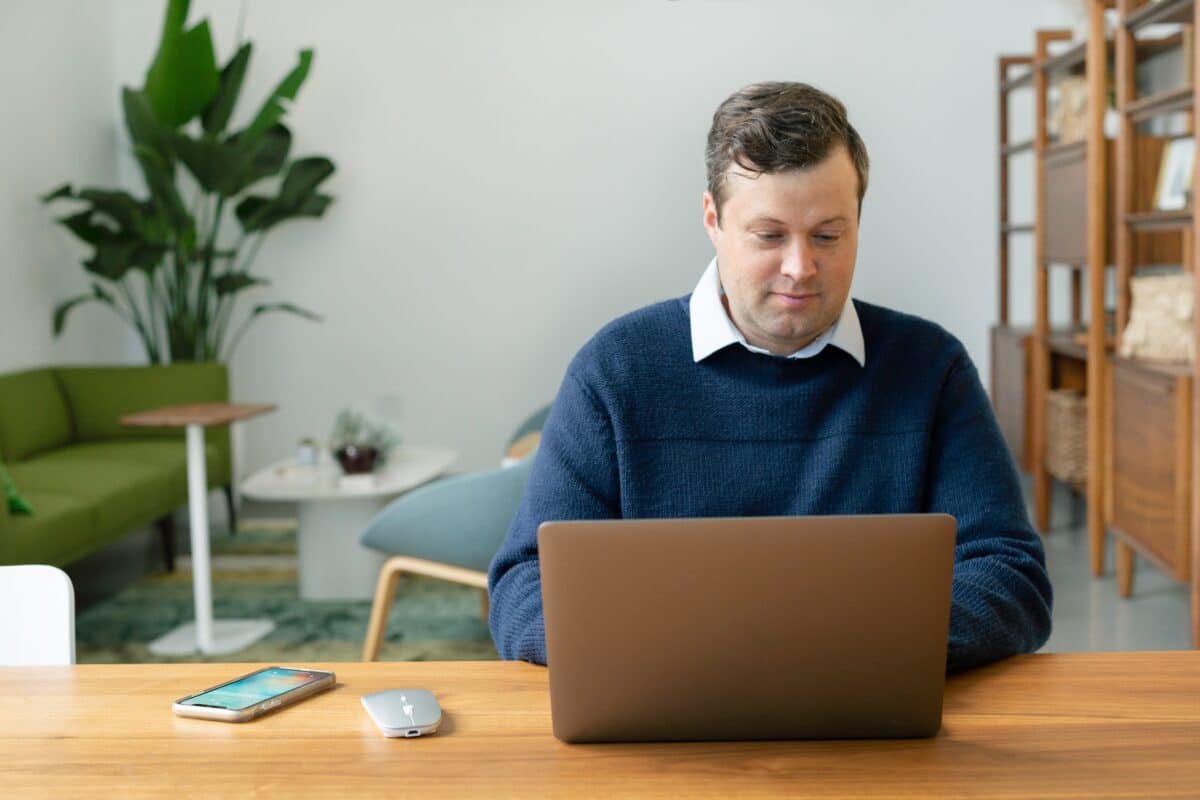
x: 795, y: 300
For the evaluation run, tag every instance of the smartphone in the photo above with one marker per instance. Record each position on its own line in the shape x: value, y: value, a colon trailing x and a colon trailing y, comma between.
x: 252, y: 695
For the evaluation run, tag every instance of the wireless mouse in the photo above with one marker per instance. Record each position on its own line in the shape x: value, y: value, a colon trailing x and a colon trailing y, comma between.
x: 405, y: 713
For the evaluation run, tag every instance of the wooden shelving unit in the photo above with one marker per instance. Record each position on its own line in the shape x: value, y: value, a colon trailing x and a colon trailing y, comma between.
x: 1152, y: 420
x: 1011, y: 345
x: 1071, y: 220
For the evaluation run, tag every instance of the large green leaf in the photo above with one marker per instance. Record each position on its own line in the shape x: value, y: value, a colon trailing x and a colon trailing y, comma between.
x: 273, y: 108
x: 121, y: 207
x: 290, y: 308
x: 160, y: 179
x: 216, y: 116
x: 303, y: 177
x: 234, y: 282
x: 59, y: 193
x: 144, y: 129
x: 183, y: 78
x: 84, y: 226
x: 229, y: 167
x: 297, y: 197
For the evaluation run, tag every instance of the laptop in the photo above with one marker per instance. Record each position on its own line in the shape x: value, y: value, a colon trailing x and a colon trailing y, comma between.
x: 747, y: 628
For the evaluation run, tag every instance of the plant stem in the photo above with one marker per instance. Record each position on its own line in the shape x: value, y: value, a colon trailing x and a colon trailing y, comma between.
x: 204, y: 288
x: 150, y: 345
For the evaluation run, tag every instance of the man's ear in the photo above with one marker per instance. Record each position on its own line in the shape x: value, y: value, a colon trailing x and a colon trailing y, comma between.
x: 710, y: 218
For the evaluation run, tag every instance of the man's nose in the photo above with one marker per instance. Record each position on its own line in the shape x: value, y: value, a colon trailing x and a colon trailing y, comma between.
x: 799, y: 262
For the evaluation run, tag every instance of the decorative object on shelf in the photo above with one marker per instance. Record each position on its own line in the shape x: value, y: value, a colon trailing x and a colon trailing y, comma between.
x: 1174, y: 189
x: 1068, y: 121
x: 307, y: 452
x: 159, y: 262
x: 361, y: 446
x: 1160, y: 318
x: 1066, y: 435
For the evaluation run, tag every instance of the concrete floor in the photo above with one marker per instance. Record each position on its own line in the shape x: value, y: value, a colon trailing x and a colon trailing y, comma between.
x: 1088, y: 613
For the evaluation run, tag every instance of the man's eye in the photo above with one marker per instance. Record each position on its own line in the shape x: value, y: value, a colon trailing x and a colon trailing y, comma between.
x: 827, y: 238
x: 768, y: 237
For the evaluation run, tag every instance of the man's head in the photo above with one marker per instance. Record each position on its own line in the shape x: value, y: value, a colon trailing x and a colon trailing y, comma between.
x: 786, y: 178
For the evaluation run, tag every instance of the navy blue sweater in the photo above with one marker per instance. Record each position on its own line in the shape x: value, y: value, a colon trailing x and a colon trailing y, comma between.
x: 639, y: 430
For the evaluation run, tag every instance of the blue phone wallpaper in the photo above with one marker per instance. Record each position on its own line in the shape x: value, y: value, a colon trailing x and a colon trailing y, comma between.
x: 254, y: 688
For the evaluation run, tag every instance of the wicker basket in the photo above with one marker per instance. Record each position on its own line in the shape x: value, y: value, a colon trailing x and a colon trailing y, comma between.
x: 1066, y: 435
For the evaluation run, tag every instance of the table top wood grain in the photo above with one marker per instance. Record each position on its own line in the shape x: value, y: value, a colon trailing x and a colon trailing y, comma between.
x: 196, y: 414
x: 1062, y: 725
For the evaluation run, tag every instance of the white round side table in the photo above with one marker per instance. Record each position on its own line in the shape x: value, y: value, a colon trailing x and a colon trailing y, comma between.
x: 333, y: 513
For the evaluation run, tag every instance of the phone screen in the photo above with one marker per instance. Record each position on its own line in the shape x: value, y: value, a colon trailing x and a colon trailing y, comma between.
x: 255, y: 688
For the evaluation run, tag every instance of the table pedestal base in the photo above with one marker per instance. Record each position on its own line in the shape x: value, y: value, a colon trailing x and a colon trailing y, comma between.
x: 333, y: 565
x: 229, y: 636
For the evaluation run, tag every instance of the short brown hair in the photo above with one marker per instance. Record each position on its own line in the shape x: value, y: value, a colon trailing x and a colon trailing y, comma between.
x: 775, y: 126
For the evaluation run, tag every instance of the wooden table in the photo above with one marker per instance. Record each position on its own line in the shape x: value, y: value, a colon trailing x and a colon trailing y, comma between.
x: 227, y: 635
x: 1072, y: 725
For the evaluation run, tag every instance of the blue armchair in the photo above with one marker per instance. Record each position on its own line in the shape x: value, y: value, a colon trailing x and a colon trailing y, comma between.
x: 449, y: 529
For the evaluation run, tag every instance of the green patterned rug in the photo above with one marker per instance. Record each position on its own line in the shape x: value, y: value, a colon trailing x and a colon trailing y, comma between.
x: 254, y: 575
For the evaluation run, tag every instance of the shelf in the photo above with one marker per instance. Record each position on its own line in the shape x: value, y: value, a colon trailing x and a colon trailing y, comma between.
x: 1014, y: 331
x: 1058, y: 151
x: 1013, y: 148
x: 1059, y: 262
x: 1154, y: 367
x: 1012, y: 227
x: 1156, y: 13
x: 1156, y: 221
x: 1180, y: 99
x: 1024, y: 79
x: 1074, y: 57
x: 1065, y: 345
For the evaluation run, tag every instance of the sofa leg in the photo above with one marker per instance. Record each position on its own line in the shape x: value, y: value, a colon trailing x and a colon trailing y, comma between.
x: 385, y: 595
x: 228, y: 489
x: 166, y: 533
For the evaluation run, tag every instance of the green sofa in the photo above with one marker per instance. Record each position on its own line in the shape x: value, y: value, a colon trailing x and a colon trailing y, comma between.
x: 90, y: 479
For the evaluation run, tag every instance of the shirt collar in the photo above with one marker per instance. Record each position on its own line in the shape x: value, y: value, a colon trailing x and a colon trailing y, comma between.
x: 712, y: 329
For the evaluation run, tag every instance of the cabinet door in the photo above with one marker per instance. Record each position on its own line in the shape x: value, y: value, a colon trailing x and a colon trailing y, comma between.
x: 1151, y: 464
x: 1010, y: 394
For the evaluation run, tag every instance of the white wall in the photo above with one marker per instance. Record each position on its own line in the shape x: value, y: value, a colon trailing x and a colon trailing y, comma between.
x: 514, y: 174
x: 59, y: 125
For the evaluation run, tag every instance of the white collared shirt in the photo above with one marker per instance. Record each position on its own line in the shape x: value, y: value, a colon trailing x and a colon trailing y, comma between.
x: 712, y: 329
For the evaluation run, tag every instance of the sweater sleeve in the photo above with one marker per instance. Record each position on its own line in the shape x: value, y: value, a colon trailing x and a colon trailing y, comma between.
x: 574, y: 477
x: 1001, y: 595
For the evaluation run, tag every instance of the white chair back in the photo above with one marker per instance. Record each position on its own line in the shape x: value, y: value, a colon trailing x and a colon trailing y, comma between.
x: 37, y: 616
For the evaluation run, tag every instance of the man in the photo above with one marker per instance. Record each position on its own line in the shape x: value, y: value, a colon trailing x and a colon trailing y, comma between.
x: 768, y: 391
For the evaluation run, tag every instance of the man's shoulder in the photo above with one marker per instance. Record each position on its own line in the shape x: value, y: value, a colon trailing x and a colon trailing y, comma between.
x: 893, y: 335
x: 652, y: 333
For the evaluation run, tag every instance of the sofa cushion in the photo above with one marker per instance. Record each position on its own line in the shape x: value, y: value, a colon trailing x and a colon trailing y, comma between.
x: 33, y: 415
x: 123, y: 494
x: 167, y: 455
x: 62, y: 531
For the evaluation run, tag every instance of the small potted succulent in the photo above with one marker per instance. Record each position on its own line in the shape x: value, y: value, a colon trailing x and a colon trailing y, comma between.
x: 361, y: 446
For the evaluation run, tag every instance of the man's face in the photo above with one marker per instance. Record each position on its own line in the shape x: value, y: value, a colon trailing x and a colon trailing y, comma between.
x: 785, y: 249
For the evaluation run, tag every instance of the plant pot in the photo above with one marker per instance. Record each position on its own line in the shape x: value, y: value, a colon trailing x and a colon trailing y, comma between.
x: 357, y: 460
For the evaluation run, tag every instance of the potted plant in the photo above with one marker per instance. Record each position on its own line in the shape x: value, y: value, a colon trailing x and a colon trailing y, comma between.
x: 160, y: 261
x: 360, y: 446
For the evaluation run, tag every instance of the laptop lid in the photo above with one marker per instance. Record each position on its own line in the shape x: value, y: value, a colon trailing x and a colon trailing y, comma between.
x: 747, y: 628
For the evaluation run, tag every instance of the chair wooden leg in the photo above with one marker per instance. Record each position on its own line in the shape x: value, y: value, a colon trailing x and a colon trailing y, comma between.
x: 483, y: 604
x: 166, y: 533
x: 385, y: 595
x: 228, y: 490
x: 1125, y: 559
